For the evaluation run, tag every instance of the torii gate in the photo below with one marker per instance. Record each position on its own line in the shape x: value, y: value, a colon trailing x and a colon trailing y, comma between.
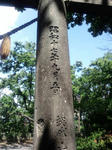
x: 54, y: 123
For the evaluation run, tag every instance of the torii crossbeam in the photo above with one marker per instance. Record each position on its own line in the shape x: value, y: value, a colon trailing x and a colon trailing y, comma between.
x: 102, y: 7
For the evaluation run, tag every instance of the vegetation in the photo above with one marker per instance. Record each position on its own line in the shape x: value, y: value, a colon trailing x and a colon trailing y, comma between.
x: 97, y: 24
x: 94, y: 89
x: 92, y: 95
x: 17, y: 100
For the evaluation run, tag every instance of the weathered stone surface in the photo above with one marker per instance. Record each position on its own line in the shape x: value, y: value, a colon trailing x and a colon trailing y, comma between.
x: 54, y: 124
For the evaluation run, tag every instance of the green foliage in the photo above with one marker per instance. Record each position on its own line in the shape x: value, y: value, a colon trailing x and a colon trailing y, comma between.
x: 97, y: 24
x: 93, y: 87
x: 13, y: 126
x: 17, y: 107
x: 97, y: 140
x: 96, y: 83
x: 93, y: 142
x: 92, y: 95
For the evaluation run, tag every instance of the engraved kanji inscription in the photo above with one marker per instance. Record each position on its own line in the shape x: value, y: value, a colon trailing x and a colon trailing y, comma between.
x: 54, y: 29
x: 55, y: 87
x: 62, y: 146
x: 54, y: 50
x: 54, y: 56
x: 54, y: 34
x: 61, y: 124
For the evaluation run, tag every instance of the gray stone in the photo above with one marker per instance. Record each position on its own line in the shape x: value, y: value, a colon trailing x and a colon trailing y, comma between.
x: 54, y: 124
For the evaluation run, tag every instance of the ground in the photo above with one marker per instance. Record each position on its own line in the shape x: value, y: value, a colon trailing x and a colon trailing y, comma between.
x: 16, y: 146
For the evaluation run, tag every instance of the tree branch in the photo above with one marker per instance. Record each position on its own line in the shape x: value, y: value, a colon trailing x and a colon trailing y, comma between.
x: 20, y: 3
x: 25, y: 116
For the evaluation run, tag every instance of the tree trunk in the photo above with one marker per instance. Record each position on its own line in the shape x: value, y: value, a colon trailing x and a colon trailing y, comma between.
x: 78, y: 113
x: 54, y: 123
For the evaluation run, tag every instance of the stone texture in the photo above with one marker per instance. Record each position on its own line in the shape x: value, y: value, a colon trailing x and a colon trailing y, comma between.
x: 54, y: 124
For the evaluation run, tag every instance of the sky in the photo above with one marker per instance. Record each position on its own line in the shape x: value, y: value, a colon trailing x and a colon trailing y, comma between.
x: 82, y: 46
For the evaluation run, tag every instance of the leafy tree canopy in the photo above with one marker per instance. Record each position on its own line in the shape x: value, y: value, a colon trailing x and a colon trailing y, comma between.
x: 17, y: 106
x: 97, y: 24
x: 94, y: 89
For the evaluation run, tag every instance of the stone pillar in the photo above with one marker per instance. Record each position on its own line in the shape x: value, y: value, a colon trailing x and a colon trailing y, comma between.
x: 54, y: 123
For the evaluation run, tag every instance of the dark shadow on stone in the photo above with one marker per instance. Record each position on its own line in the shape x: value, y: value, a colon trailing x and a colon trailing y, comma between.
x: 42, y: 24
x: 61, y: 6
x: 47, y: 142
